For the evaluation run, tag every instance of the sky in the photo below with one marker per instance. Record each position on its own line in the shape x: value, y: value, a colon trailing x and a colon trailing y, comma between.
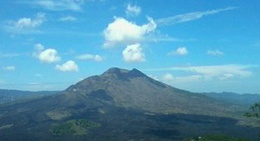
x: 199, y: 46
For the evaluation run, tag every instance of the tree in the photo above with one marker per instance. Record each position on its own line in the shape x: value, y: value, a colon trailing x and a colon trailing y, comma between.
x: 254, y: 111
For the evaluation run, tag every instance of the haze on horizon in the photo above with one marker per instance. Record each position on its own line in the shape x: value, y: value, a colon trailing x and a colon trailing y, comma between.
x: 200, y: 46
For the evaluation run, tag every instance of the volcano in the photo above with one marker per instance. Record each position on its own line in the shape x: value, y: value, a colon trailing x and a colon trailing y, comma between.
x: 119, y: 105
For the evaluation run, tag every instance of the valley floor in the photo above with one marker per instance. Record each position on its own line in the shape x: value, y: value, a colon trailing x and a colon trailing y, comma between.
x: 126, y: 125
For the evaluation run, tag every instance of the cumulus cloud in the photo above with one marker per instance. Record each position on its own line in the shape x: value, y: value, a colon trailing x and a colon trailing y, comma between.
x: 25, y: 24
x: 46, y: 55
x: 133, y: 53
x: 133, y: 10
x: 190, y: 16
x: 124, y: 32
x: 60, y: 5
x: 29, y: 22
x: 69, y: 66
x: 97, y: 58
x: 215, y: 52
x: 9, y: 68
x: 49, y: 56
x: 181, y: 51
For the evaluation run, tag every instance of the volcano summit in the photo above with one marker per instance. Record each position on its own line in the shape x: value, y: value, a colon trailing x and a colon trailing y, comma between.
x: 119, y: 105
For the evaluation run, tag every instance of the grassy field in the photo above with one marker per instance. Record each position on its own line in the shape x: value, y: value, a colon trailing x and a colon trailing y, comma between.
x: 74, y: 127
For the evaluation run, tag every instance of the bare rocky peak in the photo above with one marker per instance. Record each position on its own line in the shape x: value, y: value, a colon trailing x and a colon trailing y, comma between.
x: 134, y: 89
x: 108, y: 78
x: 123, y: 73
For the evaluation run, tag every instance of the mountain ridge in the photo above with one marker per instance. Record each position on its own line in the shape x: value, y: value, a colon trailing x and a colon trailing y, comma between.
x: 8, y: 96
x: 125, y: 104
x: 132, y: 88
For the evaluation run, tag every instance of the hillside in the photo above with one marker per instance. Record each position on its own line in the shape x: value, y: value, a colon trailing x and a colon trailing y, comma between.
x: 134, y: 89
x: 7, y: 96
x: 120, y: 105
x: 239, y: 99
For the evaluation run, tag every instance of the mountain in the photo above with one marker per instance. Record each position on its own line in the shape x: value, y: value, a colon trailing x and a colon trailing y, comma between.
x: 239, y: 99
x: 133, y: 89
x: 7, y: 96
x: 120, y: 105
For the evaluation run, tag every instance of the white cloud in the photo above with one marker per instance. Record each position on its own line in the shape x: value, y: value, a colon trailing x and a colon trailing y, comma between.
x: 68, y: 66
x: 123, y: 32
x: 180, y: 51
x: 60, y: 5
x: 216, y: 78
x: 168, y: 77
x: 68, y: 18
x: 215, y: 52
x: 190, y: 16
x: 48, y: 55
x: 9, y: 68
x: 133, y: 10
x: 97, y: 58
x: 221, y: 72
x: 29, y: 22
x: 25, y: 24
x: 133, y: 53
x: 39, y: 47
x: 171, y: 80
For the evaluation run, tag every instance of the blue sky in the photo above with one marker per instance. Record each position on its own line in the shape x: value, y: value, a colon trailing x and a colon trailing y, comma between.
x: 200, y: 46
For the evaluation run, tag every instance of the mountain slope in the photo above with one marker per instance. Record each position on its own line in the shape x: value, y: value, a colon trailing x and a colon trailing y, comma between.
x: 118, y: 105
x: 7, y: 96
x: 246, y: 100
x: 134, y: 89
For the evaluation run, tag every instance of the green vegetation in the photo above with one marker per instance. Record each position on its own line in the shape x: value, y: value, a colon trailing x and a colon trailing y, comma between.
x: 215, y: 138
x: 254, y: 111
x: 74, y: 127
